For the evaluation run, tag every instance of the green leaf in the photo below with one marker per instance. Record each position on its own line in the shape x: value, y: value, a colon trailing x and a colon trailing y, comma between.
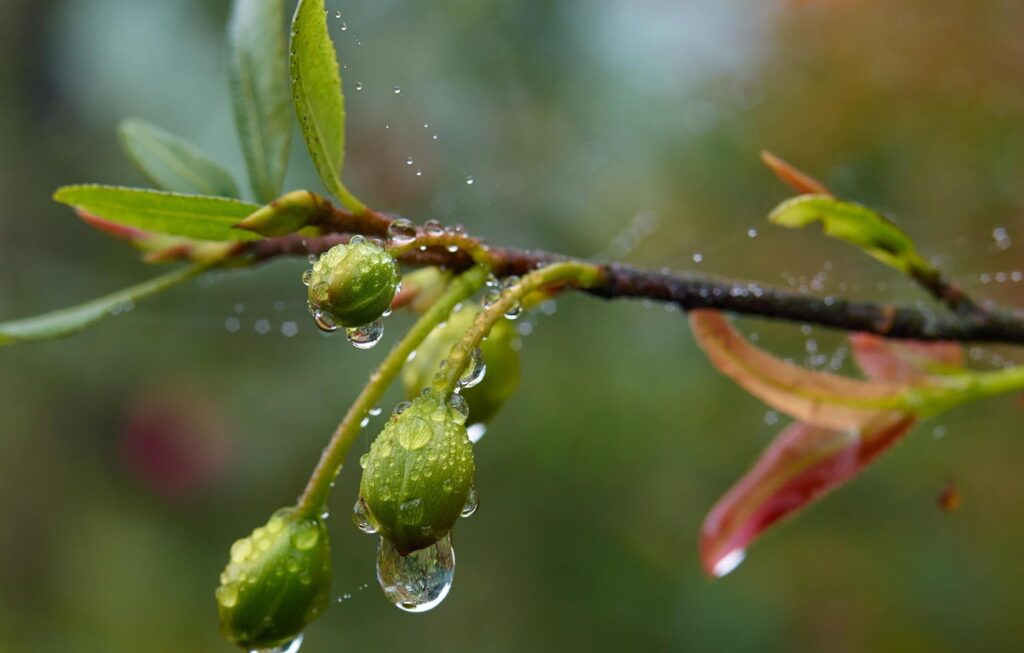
x: 65, y: 322
x: 319, y: 103
x: 855, y: 224
x: 172, y: 163
x: 192, y: 216
x: 257, y: 69
x: 287, y: 214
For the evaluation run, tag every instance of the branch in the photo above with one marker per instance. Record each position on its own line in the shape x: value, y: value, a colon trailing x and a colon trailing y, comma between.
x: 687, y: 290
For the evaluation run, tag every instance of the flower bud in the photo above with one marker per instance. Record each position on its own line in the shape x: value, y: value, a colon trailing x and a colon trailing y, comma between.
x: 354, y: 283
x: 276, y: 582
x: 501, y: 379
x: 418, y: 474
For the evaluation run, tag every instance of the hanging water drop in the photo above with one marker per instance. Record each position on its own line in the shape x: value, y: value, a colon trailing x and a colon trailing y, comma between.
x: 469, y: 180
x: 475, y: 370
x: 516, y: 309
x: 288, y: 647
x: 401, y: 232
x: 472, y: 503
x: 359, y: 86
x: 729, y: 562
x: 361, y: 517
x: 366, y: 336
x: 397, y: 89
x: 476, y: 431
x: 344, y: 26
x: 324, y: 321
x: 408, y: 161
x: 419, y: 581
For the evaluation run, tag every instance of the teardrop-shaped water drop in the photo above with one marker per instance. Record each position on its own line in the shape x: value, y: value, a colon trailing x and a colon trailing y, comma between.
x: 401, y: 232
x: 361, y: 517
x: 419, y: 581
x: 324, y: 321
x: 476, y: 431
x: 288, y: 647
x: 472, y: 503
x: 366, y: 336
x: 475, y: 370
x: 729, y: 562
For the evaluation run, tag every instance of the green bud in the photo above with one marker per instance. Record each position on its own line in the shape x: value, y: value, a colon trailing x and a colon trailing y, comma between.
x: 276, y: 582
x: 418, y: 474
x: 353, y: 284
x: 499, y: 383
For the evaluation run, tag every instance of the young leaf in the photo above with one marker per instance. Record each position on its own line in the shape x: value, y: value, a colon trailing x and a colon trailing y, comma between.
x: 257, y: 69
x: 905, y: 361
x: 793, y: 177
x: 803, y: 464
x: 160, y: 248
x: 287, y: 214
x: 65, y: 322
x: 825, y: 400
x: 318, y: 98
x: 806, y: 462
x: 172, y: 163
x: 858, y: 225
x: 192, y: 216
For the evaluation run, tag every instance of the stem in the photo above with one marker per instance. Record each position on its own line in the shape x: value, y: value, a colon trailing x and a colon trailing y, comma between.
x: 963, y: 388
x: 582, y: 275
x: 327, y: 469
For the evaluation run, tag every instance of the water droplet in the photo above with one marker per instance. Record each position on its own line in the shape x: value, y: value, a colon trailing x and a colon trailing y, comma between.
x: 361, y: 517
x: 401, y: 408
x: 476, y: 431
x: 472, y: 503
x: 306, y: 276
x: 401, y: 232
x: 359, y: 86
x: 419, y: 581
x: 433, y: 228
x: 469, y: 180
x: 698, y: 257
x: 344, y: 26
x: 366, y: 336
x: 365, y: 458
x: 376, y: 410
x: 751, y: 233
x: 459, y: 405
x: 475, y: 370
x: 408, y: 161
x: 358, y: 239
x: 324, y: 321
x: 288, y: 647
x: 397, y: 89
x: 729, y: 562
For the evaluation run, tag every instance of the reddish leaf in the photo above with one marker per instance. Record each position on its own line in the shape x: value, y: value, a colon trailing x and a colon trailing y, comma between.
x: 821, y: 399
x: 803, y: 464
x: 796, y: 179
x: 806, y: 462
x: 904, y: 361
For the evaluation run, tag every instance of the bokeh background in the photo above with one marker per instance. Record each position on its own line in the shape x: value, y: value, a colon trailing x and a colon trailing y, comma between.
x: 132, y: 455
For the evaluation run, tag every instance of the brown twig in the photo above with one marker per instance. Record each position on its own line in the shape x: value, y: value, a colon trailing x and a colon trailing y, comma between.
x: 690, y: 290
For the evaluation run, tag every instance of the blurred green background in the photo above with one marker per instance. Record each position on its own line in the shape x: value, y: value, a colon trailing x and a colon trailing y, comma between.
x: 133, y: 455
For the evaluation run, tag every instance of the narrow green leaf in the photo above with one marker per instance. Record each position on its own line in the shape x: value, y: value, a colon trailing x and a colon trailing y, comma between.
x: 319, y: 102
x: 172, y: 163
x: 192, y: 216
x: 855, y: 224
x: 287, y: 214
x: 257, y: 69
x: 67, y: 321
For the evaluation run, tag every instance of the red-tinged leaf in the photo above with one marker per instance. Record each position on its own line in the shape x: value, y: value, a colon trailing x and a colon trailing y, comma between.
x: 119, y: 231
x: 818, y: 398
x: 904, y: 361
x: 803, y: 464
x: 796, y: 179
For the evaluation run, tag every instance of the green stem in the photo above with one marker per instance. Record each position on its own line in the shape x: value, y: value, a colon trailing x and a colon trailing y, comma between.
x: 581, y: 275
x: 468, y: 244
x: 964, y: 388
x: 314, y: 497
